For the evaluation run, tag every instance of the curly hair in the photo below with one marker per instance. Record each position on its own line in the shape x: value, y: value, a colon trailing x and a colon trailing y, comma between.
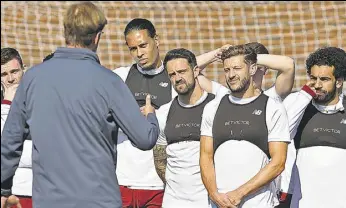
x: 328, y: 56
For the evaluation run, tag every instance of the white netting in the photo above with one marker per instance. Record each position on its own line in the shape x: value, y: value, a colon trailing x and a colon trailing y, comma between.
x: 294, y: 29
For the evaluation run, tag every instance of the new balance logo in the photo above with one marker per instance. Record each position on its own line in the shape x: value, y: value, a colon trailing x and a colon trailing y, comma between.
x: 257, y: 112
x: 343, y: 121
x: 163, y: 84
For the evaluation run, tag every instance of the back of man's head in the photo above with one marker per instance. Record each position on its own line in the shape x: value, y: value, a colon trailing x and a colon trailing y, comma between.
x: 140, y: 24
x: 82, y: 22
x: 259, y: 48
x: 8, y: 54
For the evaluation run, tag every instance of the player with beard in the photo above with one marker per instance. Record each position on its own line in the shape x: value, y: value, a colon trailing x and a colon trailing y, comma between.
x: 244, y: 138
x: 284, y: 66
x: 317, y: 122
x: 179, y: 137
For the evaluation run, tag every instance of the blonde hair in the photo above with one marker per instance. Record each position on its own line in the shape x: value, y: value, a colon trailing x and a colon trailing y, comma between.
x: 82, y: 22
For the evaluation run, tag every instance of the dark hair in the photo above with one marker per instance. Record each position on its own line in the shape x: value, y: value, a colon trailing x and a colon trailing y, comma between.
x: 257, y: 47
x: 140, y: 24
x: 7, y: 54
x: 250, y: 57
x: 49, y: 56
x: 328, y: 56
x: 181, y: 53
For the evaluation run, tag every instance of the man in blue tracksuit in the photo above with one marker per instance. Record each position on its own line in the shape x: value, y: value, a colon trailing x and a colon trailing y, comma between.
x: 72, y: 108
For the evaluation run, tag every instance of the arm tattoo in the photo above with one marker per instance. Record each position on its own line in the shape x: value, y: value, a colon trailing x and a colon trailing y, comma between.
x: 160, y: 160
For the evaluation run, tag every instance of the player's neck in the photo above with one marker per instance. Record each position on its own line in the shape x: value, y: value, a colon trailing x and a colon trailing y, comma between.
x: 158, y: 62
x: 193, y: 97
x: 248, y: 93
x: 77, y: 46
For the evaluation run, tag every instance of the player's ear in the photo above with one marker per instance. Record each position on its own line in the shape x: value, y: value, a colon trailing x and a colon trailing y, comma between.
x: 97, y: 38
x: 253, y: 69
x: 339, y: 82
x: 196, y: 72
x: 157, y: 42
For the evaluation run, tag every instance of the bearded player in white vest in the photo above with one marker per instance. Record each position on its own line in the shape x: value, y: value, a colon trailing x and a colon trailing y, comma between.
x: 317, y: 122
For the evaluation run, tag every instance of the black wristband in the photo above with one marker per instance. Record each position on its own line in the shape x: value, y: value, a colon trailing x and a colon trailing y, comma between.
x: 6, y: 192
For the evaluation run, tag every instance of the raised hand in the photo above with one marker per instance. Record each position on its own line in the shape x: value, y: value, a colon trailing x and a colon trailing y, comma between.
x: 148, y: 108
x: 9, y: 91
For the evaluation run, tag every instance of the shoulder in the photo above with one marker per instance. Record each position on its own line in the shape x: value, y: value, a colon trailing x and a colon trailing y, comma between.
x: 164, y: 109
x: 271, y: 92
x: 298, y: 96
x: 218, y: 89
x: 275, y: 107
x: 214, y: 103
x: 162, y: 114
x: 122, y: 71
x: 212, y: 106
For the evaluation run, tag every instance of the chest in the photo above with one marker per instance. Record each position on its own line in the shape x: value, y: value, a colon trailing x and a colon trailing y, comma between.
x: 158, y: 86
x: 318, y: 129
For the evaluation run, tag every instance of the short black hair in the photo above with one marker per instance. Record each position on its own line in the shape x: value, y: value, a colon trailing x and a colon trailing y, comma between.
x: 259, y: 48
x: 181, y: 53
x: 328, y: 56
x: 140, y: 24
x: 7, y: 54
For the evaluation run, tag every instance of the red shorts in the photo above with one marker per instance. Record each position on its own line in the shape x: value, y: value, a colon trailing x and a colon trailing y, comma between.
x: 137, y: 198
x: 26, y: 202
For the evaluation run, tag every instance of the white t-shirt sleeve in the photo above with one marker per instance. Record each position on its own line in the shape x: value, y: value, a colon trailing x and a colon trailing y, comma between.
x: 122, y: 72
x: 271, y: 92
x: 208, y: 115
x: 218, y: 89
x: 295, y: 105
x: 287, y: 181
x: 161, y: 115
x: 277, y: 121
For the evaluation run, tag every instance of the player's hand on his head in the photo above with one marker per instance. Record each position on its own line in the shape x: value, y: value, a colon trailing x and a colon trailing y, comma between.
x: 219, y: 52
x: 9, y: 91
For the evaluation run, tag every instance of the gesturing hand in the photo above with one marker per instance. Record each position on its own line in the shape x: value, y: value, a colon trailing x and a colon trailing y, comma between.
x: 148, y: 108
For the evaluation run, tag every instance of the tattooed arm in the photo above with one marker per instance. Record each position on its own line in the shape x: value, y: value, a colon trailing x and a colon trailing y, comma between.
x: 159, y: 150
x: 160, y: 160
